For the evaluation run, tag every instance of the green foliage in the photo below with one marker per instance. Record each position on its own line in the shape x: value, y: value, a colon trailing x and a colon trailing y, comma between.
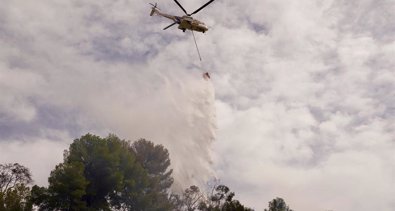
x: 108, y: 174
x: 16, y: 199
x: 97, y: 174
x: 190, y: 200
x: 14, y: 190
x: 220, y: 199
x: 155, y: 160
x: 12, y: 175
x: 69, y: 184
x: 278, y: 204
x: 40, y: 197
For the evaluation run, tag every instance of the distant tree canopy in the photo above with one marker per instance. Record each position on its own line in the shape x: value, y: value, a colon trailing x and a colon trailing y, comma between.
x: 14, y: 190
x: 108, y: 174
x: 220, y: 199
x: 112, y: 174
x: 278, y: 204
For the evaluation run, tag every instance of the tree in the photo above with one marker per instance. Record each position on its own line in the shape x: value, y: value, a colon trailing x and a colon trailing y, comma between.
x: 14, y: 190
x: 278, y: 204
x: 40, y: 197
x: 155, y: 160
x: 96, y: 174
x: 221, y: 199
x: 67, y: 181
x: 190, y: 199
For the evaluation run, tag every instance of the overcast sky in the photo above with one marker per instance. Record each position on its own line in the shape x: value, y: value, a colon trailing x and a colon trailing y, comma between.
x: 301, y: 104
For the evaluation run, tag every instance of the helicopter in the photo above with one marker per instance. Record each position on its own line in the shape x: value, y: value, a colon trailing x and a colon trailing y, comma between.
x: 185, y: 22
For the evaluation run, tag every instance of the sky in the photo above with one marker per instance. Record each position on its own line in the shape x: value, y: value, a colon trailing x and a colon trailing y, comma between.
x: 300, y: 105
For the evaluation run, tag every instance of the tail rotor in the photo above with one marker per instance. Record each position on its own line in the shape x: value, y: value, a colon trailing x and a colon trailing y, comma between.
x: 154, y: 5
x: 154, y: 8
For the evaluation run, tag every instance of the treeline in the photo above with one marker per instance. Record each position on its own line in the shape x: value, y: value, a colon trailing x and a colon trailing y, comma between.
x: 112, y: 174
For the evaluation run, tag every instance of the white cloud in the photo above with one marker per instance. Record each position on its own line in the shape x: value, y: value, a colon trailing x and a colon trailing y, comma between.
x: 40, y: 156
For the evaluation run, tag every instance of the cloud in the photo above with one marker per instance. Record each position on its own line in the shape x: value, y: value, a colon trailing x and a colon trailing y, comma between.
x: 303, y: 91
x: 40, y: 156
x: 311, y: 115
x: 75, y: 68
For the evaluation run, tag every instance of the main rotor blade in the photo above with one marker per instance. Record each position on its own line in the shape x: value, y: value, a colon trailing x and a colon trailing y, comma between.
x: 169, y: 26
x: 201, y: 7
x: 181, y: 7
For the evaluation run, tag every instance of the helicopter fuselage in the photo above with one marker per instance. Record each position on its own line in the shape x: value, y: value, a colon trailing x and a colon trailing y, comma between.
x: 189, y: 23
x: 184, y: 22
